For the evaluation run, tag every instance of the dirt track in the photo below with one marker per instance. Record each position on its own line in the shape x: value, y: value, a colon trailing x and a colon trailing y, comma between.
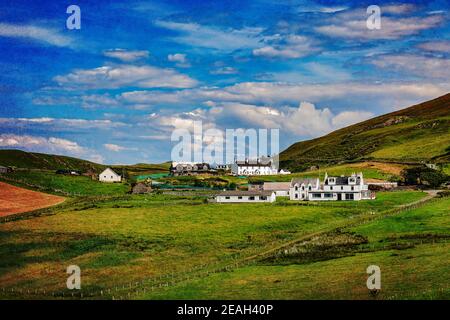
x: 17, y: 200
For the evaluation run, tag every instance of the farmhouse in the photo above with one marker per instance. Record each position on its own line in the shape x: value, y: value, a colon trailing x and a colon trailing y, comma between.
x: 333, y: 188
x: 254, y: 167
x: 246, y: 196
x: 108, y: 175
x: 190, y: 168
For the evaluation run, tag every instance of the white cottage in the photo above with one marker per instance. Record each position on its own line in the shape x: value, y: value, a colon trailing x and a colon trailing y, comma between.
x: 246, y: 196
x: 108, y: 175
x: 254, y: 168
x: 347, y: 188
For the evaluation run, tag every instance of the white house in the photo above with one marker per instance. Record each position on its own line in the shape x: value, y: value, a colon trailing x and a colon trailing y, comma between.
x: 245, y: 196
x: 251, y: 168
x: 300, y: 188
x: 108, y: 175
x: 333, y: 188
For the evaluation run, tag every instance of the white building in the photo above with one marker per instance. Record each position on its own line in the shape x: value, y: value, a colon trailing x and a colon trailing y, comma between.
x: 300, y: 188
x: 333, y: 188
x: 251, y: 168
x: 108, y: 175
x: 245, y: 196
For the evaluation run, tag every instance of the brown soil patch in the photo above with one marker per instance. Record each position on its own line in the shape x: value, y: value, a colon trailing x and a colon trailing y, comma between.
x: 17, y: 200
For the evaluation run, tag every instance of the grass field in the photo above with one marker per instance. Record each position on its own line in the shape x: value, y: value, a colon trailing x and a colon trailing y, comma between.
x: 418, y: 270
x: 48, y: 181
x: 127, y: 239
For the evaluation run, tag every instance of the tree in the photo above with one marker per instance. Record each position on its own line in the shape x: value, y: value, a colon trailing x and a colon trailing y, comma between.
x: 424, y: 176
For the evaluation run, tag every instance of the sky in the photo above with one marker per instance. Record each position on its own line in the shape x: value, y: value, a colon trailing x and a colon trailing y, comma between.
x: 114, y: 90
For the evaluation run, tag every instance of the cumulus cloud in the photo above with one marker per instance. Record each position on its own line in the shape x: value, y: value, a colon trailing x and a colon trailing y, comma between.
x: 35, y: 33
x: 291, y: 46
x: 113, y: 77
x: 126, y: 55
x: 213, y: 37
x: 47, y: 145
x: 94, y: 101
x: 179, y: 59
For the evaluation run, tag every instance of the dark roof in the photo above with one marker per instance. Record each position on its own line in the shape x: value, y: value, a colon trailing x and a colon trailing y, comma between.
x: 253, y: 164
x: 246, y: 193
x: 305, y: 181
x: 344, y: 180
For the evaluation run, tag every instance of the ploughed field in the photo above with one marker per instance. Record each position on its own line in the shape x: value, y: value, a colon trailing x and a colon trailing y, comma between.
x: 161, y: 246
x: 17, y: 200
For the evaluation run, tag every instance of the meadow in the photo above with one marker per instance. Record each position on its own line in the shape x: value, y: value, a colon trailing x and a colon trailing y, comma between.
x: 129, y: 240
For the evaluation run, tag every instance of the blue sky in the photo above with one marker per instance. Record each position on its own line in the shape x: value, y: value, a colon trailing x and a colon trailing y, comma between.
x: 114, y: 90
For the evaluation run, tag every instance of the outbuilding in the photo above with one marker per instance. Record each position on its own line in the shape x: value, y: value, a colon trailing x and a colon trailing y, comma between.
x: 108, y: 175
x: 246, y: 196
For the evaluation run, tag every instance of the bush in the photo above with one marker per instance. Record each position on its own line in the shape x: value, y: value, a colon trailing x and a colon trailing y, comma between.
x: 424, y: 176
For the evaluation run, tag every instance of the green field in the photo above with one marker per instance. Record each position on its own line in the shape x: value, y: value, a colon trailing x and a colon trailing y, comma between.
x: 49, y: 181
x: 411, y: 248
x: 147, y: 240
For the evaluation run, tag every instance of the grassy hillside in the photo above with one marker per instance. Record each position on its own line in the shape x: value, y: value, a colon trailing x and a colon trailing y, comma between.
x: 417, y: 133
x: 32, y: 160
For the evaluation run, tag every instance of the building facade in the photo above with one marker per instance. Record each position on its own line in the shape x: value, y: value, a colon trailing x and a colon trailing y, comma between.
x: 108, y: 175
x: 254, y: 168
x: 245, y: 196
x: 343, y: 188
x: 190, y: 168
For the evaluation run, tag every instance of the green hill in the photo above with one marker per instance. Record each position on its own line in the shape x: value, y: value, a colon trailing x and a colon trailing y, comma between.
x: 418, y: 133
x: 33, y: 160
x: 42, y: 161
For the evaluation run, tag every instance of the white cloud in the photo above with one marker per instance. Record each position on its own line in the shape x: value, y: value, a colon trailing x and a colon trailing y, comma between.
x: 36, y: 33
x: 425, y: 67
x: 112, y: 77
x: 281, y: 93
x: 180, y: 59
x: 126, y: 55
x: 291, y: 46
x: 117, y: 148
x: 198, y: 35
x: 99, y: 101
x: 225, y: 70
x: 398, y: 8
x: 57, y: 124
x: 437, y: 46
x: 352, y: 25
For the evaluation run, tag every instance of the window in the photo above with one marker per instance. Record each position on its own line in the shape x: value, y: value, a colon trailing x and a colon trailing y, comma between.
x: 263, y: 198
x: 112, y: 177
x: 328, y: 195
x: 309, y: 188
x: 251, y: 198
x: 239, y: 197
x: 349, y: 196
x: 317, y: 195
x: 353, y: 188
x: 331, y: 187
x: 296, y: 188
x: 303, y: 187
x: 227, y: 198
x: 342, y: 188
x: 296, y: 196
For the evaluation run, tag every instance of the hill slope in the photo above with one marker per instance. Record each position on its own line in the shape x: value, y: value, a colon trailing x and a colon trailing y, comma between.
x: 417, y: 133
x: 33, y: 160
